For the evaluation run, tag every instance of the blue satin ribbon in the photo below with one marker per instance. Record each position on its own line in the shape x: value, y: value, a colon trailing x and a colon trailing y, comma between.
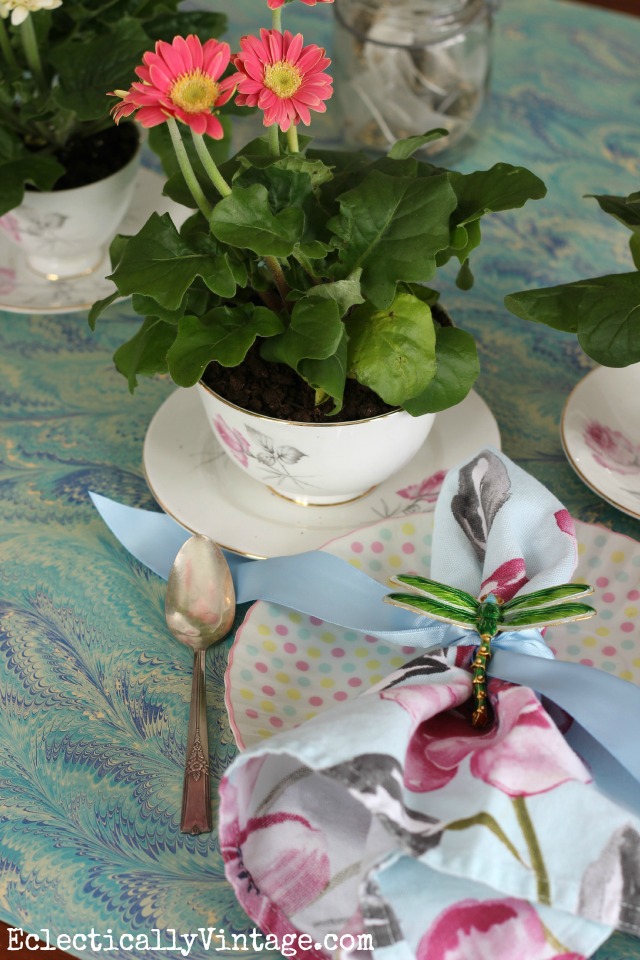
x: 605, y: 709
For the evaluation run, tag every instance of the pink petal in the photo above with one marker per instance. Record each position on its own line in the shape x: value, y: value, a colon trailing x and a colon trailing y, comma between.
x: 303, y: 112
x: 197, y: 121
x: 171, y: 58
x: 294, y: 49
x: 151, y: 116
x: 181, y: 47
x: 214, y: 128
x: 160, y: 78
x: 196, y: 51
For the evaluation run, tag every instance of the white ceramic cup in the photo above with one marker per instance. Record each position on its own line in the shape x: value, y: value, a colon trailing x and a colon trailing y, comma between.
x: 313, y: 463
x: 65, y: 233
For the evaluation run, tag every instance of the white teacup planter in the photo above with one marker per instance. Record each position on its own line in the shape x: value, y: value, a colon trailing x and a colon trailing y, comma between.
x: 65, y: 233
x: 315, y: 463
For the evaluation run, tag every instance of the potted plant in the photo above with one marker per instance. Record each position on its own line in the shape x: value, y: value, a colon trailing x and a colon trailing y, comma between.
x: 295, y: 291
x: 604, y: 312
x: 60, y: 154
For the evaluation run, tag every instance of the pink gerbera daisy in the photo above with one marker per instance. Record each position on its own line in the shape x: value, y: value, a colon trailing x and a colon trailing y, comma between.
x: 180, y: 80
x: 274, y: 4
x: 282, y: 77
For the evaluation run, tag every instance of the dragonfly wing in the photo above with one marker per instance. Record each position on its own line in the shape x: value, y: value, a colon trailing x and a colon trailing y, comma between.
x: 565, y: 591
x: 432, y: 608
x: 546, y: 616
x: 440, y: 591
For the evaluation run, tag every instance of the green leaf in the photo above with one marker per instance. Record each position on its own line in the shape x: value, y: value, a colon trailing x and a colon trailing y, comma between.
x: 42, y: 172
x: 604, y: 312
x: 288, y: 181
x: 89, y: 68
x: 553, y: 306
x: 328, y: 375
x: 346, y: 293
x: 548, y: 595
x: 457, y: 369
x: 407, y: 147
x: 459, y: 598
x: 393, y: 351
x: 634, y: 246
x: 244, y: 219
x: 393, y: 228
x: 465, y: 239
x: 426, y: 294
x: 464, y: 280
x: 625, y: 209
x: 256, y: 153
x: 146, y: 352
x: 116, y: 249
x: 148, y: 307
x: 289, y: 184
x: 99, y: 306
x: 503, y: 187
x: 225, y: 334
x: 158, y: 263
x: 314, y: 333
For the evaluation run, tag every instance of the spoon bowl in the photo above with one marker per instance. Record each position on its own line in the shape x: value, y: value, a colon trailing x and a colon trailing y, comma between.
x: 199, y: 609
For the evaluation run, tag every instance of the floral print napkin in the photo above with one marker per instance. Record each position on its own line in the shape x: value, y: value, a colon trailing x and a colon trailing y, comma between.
x: 392, y: 816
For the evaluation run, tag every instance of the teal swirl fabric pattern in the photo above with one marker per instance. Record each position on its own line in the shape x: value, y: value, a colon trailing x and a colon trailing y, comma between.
x: 93, y: 690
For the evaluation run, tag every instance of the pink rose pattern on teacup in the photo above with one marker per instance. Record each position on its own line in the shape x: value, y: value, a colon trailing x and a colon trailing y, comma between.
x: 276, y: 460
x: 612, y: 449
x: 237, y: 445
x: 7, y: 281
x: 11, y: 226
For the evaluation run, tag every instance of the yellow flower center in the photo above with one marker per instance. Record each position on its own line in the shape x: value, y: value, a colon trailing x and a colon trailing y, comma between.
x: 283, y: 78
x: 194, y: 92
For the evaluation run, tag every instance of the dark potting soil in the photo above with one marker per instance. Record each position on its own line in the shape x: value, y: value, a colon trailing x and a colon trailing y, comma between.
x: 95, y: 157
x: 275, y: 390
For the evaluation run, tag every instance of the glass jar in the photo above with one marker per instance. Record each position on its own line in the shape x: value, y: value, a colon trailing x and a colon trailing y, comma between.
x: 404, y: 67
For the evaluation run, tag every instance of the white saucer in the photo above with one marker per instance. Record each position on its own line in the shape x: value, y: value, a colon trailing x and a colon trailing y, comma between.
x: 285, y: 667
x: 600, y: 432
x: 195, y: 482
x: 24, y: 291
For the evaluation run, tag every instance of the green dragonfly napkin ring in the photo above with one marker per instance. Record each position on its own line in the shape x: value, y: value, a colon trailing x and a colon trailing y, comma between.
x: 489, y: 616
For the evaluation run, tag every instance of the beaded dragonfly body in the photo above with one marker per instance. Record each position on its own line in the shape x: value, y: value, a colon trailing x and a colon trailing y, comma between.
x: 489, y: 616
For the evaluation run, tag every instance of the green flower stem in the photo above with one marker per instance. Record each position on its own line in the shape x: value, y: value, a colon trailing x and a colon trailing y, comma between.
x: 187, y: 170
x: 292, y: 139
x: 276, y: 19
x: 535, y: 853
x: 278, y: 276
x: 6, y: 48
x: 274, y: 142
x: 210, y: 165
x: 31, y: 52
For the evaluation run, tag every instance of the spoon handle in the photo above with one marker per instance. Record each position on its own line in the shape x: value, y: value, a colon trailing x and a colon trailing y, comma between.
x: 196, y: 800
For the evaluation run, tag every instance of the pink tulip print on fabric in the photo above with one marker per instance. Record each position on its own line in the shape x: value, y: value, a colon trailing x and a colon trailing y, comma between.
x: 391, y: 816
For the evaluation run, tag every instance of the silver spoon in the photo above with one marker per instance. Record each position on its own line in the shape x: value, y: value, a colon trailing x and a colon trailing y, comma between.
x: 199, y: 608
